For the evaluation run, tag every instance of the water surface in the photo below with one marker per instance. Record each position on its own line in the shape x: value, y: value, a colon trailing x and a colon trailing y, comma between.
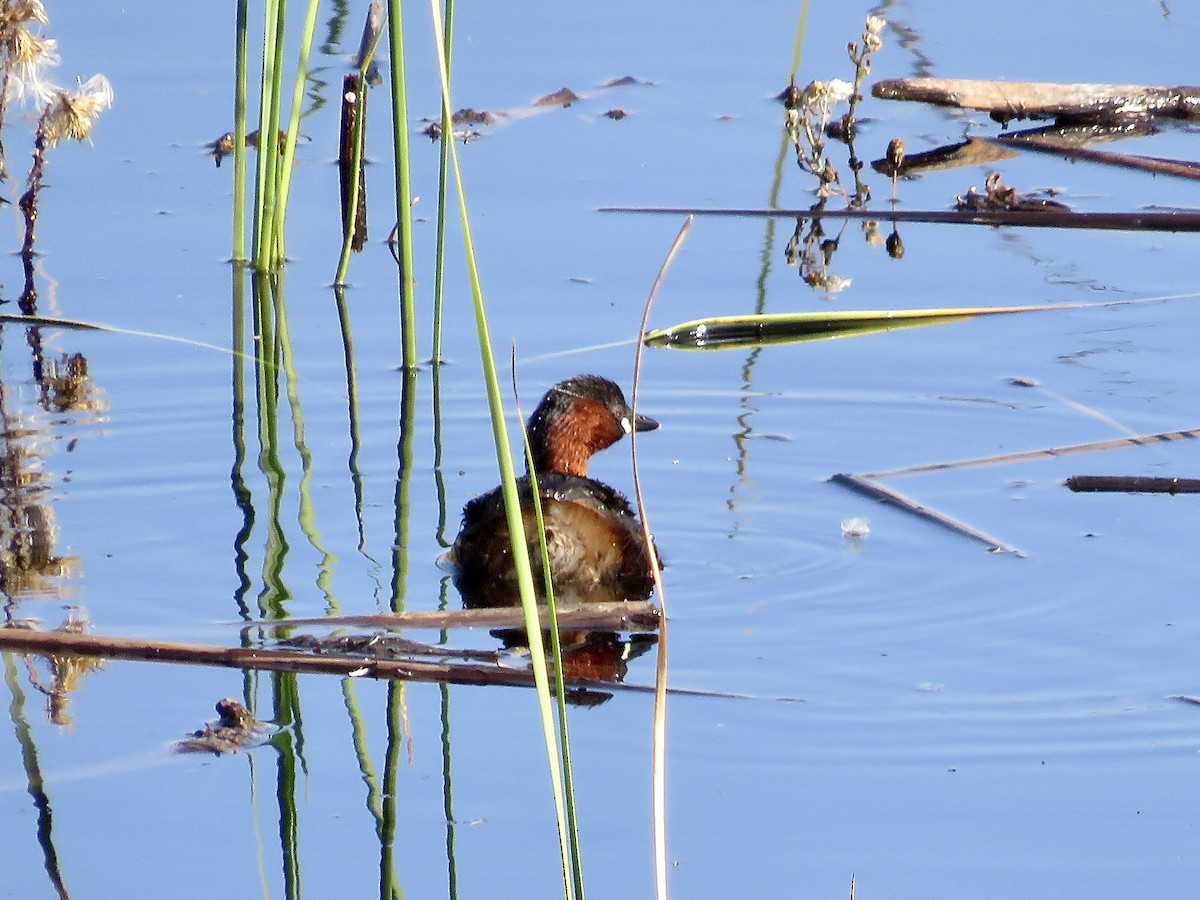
x: 931, y: 717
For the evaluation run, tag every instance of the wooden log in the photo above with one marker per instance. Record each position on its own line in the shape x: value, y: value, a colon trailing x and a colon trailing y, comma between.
x: 1132, y: 484
x: 1007, y: 100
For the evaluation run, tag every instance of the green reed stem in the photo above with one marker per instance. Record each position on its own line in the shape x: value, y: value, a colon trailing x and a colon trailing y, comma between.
x: 508, y: 483
x: 444, y: 140
x: 404, y: 475
x: 240, y: 91
x: 560, y: 691
x: 306, y: 514
x: 439, y: 281
x: 385, y: 826
x: 274, y: 593
x: 448, y: 794
x: 352, y: 411
x: 392, y: 767
x: 288, y: 744
x: 288, y: 155
x: 266, y: 256
x: 241, y: 491
x: 798, y: 43
x: 408, y: 283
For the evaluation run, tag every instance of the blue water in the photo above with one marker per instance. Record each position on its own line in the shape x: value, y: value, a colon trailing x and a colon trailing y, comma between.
x: 932, y: 718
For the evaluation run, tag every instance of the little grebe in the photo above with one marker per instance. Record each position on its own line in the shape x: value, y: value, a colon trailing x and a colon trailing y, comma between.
x: 594, y: 541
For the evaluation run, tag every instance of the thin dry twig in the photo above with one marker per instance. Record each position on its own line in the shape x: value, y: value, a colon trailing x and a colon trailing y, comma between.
x: 25, y: 640
x: 1173, y: 221
x: 869, y: 482
x: 867, y: 485
x: 1138, y: 440
x: 659, y: 750
x: 60, y: 643
x: 1155, y: 165
x: 626, y: 615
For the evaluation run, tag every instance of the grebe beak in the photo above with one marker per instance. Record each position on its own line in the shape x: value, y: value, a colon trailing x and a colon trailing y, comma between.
x: 640, y: 423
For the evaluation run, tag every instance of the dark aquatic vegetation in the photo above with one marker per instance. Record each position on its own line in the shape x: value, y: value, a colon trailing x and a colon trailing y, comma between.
x: 235, y: 729
x: 998, y: 195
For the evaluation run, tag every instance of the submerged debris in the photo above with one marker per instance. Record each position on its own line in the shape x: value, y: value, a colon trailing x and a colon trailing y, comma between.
x: 466, y: 118
x: 791, y: 96
x: 235, y: 730
x: 856, y: 527
x: 468, y: 115
x: 563, y: 97
x: 223, y: 146
x: 380, y: 646
x: 1000, y: 196
x: 433, y: 131
x: 625, y: 81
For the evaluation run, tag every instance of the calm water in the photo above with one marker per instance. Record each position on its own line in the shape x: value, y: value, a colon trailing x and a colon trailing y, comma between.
x: 970, y: 722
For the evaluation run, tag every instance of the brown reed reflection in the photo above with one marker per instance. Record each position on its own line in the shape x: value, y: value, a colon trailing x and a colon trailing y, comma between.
x: 57, y: 676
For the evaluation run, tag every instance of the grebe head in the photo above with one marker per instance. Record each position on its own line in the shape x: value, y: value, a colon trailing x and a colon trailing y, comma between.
x: 578, y: 417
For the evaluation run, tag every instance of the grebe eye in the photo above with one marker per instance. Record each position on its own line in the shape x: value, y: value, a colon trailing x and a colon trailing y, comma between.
x: 626, y: 425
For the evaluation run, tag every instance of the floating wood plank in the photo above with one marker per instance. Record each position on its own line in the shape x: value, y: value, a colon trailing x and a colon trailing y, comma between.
x: 1007, y: 100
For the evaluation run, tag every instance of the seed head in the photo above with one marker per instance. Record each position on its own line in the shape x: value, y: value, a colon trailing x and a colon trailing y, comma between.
x: 23, y: 53
x: 72, y: 115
